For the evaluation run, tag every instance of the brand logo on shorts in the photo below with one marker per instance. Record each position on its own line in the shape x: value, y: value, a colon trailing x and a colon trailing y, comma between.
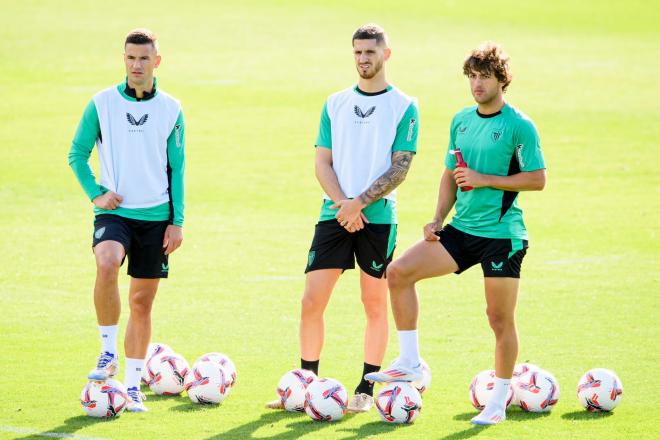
x: 376, y: 267
x: 496, y: 135
x: 99, y: 233
x: 165, y: 267
x: 497, y: 266
x: 310, y: 258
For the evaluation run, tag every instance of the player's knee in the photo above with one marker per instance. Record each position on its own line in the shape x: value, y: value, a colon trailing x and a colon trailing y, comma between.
x: 107, y: 266
x: 500, y: 322
x: 311, y: 306
x: 397, y: 275
x: 375, y: 307
x: 140, y: 304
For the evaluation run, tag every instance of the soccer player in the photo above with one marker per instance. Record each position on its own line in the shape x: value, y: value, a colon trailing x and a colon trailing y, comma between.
x: 367, y: 139
x: 501, y: 148
x: 138, y: 202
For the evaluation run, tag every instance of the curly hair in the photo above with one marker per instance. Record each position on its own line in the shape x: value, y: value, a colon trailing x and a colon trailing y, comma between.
x: 489, y: 58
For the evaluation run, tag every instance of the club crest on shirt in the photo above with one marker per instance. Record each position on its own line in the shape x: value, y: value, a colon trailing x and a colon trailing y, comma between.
x: 496, y: 135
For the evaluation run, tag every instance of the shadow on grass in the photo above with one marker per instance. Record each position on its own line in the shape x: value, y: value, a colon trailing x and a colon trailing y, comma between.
x: 70, y: 426
x: 515, y: 415
x: 466, y: 433
x: 586, y: 415
x: 300, y: 425
x: 187, y: 407
x: 368, y: 429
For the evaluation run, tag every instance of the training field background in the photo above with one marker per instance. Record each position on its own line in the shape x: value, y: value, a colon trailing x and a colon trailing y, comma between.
x: 252, y: 76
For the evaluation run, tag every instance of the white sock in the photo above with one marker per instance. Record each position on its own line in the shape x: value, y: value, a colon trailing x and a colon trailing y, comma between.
x: 108, y: 338
x: 133, y: 374
x: 500, y: 391
x: 408, y: 348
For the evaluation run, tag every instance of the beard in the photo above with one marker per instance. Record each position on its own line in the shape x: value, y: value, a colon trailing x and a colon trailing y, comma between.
x: 371, y: 72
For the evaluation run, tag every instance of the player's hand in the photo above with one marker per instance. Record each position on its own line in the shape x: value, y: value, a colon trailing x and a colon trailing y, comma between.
x: 350, y: 214
x: 109, y: 200
x: 430, y: 230
x: 469, y: 177
x: 173, y: 238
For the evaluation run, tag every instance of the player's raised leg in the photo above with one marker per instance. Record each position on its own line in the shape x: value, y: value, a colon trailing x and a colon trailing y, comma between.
x: 109, y: 255
x: 501, y: 296
x: 138, y: 334
x: 425, y: 259
x: 374, y: 300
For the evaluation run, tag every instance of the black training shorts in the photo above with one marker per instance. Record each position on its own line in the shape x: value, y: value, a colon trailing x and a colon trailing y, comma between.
x: 142, y: 241
x: 499, y: 257
x: 333, y: 247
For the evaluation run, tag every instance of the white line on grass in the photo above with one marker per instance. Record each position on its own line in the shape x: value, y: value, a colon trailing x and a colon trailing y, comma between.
x: 19, y: 430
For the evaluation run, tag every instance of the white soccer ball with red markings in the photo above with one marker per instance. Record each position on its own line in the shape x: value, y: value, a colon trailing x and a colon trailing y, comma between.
x: 518, y: 371
x: 167, y: 373
x: 481, y: 390
x: 292, y: 387
x: 104, y: 399
x: 153, y: 349
x: 537, y: 391
x: 326, y: 400
x: 223, y: 360
x: 207, y: 383
x: 399, y: 402
x: 600, y: 390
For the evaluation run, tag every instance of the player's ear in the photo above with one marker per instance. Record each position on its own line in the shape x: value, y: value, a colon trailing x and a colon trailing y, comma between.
x: 157, y: 63
x: 388, y: 52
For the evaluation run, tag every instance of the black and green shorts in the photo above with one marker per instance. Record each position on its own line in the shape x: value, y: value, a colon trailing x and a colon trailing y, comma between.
x: 499, y: 257
x: 142, y: 241
x: 333, y: 247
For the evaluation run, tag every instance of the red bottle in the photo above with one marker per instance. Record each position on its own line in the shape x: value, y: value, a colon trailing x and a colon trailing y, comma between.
x: 461, y: 163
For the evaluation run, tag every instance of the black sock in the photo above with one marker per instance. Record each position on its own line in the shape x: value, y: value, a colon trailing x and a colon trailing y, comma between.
x: 366, y: 386
x: 310, y: 365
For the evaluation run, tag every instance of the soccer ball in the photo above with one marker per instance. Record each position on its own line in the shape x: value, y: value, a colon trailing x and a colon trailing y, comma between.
x: 167, y: 372
x: 425, y: 383
x: 223, y: 360
x: 518, y: 371
x: 399, y: 402
x: 600, y: 390
x: 481, y: 389
x: 207, y: 383
x: 326, y: 400
x: 537, y: 390
x: 292, y: 387
x: 154, y: 349
x: 104, y: 399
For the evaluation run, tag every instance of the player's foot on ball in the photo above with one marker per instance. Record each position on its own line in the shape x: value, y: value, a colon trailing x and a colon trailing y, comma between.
x: 490, y: 416
x: 135, y: 400
x: 275, y: 404
x: 107, y: 366
x: 396, y: 373
x: 360, y: 402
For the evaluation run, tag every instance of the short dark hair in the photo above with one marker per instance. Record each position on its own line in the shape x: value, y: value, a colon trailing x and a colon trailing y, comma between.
x: 491, y: 59
x: 142, y: 36
x: 371, y: 31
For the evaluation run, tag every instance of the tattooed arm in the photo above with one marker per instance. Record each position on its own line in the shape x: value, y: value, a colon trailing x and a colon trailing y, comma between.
x: 392, y: 178
x: 350, y: 210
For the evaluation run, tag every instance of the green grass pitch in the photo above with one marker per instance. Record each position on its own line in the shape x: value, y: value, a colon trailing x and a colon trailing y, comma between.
x: 252, y: 76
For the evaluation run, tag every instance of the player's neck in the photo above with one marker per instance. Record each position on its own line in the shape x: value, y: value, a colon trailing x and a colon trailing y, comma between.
x: 140, y: 90
x: 373, y: 85
x: 492, y: 106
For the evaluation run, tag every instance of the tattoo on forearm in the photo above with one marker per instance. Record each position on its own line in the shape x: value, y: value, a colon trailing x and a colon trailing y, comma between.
x: 390, y: 179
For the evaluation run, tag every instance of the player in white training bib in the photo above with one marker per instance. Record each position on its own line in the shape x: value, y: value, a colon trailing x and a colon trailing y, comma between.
x: 138, y: 202
x: 367, y: 139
